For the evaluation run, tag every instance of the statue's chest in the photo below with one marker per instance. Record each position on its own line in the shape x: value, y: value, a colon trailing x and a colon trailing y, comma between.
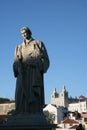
x: 26, y: 50
x: 30, y: 51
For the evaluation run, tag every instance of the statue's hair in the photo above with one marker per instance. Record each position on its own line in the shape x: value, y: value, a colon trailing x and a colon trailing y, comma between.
x: 27, y: 30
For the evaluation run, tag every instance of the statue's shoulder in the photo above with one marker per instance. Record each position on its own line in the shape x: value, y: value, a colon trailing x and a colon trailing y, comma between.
x: 18, y: 47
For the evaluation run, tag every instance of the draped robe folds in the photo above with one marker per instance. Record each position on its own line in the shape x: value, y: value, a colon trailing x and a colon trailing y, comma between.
x: 31, y: 62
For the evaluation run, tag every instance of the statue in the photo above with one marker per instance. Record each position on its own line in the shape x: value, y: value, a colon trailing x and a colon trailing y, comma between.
x: 30, y: 63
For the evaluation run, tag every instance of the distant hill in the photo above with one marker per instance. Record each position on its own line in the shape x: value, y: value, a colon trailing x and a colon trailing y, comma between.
x: 4, y: 100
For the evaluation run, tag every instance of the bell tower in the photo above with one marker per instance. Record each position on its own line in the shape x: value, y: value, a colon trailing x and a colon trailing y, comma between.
x: 64, y: 97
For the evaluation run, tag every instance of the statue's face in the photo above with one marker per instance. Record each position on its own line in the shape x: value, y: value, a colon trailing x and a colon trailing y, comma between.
x: 25, y: 34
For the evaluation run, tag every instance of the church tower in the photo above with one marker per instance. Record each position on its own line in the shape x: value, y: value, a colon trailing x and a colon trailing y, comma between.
x: 55, y: 94
x: 64, y: 97
x: 54, y: 97
x: 60, y: 99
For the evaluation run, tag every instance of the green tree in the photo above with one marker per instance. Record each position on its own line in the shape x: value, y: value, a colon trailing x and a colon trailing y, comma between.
x: 3, y: 100
x: 50, y: 117
x: 11, y: 112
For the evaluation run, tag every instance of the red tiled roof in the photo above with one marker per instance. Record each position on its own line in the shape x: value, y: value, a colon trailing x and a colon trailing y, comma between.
x: 81, y: 97
x: 69, y: 121
x: 3, y: 116
x: 84, y: 112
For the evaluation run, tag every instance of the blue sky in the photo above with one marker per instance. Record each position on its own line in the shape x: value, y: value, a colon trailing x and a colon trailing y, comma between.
x: 62, y: 26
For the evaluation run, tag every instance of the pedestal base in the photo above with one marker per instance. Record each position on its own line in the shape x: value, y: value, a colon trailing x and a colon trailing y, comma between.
x: 43, y: 127
x: 27, y: 122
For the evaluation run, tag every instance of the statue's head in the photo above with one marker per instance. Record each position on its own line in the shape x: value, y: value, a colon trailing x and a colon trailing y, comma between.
x: 26, y: 30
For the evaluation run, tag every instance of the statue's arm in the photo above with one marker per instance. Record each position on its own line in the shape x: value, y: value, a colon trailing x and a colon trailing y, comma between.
x: 15, y: 64
x: 44, y: 60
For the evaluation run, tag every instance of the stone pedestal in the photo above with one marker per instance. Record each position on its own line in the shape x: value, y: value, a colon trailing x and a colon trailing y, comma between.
x: 27, y: 122
x: 24, y: 127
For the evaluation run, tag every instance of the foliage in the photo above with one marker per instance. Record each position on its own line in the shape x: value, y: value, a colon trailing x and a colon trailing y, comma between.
x: 11, y: 112
x: 3, y: 100
x: 49, y: 116
x: 77, y: 115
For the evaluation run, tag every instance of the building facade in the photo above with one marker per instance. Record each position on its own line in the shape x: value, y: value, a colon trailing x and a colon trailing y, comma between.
x: 57, y: 111
x: 60, y: 99
x: 6, y: 107
x: 80, y: 106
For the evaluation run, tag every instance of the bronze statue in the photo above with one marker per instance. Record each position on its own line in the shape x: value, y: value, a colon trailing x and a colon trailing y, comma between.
x: 31, y: 62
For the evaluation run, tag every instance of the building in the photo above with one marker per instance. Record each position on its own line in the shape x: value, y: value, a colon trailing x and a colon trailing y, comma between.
x: 84, y: 119
x: 6, y: 107
x: 80, y: 106
x: 58, y: 111
x: 72, y: 104
x: 68, y: 123
x: 60, y: 99
x: 60, y: 105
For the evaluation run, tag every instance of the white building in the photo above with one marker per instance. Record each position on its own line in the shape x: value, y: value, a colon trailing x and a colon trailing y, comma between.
x: 6, y: 107
x: 57, y: 111
x: 80, y: 106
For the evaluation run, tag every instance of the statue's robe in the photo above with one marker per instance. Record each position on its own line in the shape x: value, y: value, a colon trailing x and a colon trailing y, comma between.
x: 31, y: 62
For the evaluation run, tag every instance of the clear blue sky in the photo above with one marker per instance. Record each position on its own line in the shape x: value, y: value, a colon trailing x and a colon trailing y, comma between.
x: 62, y: 26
